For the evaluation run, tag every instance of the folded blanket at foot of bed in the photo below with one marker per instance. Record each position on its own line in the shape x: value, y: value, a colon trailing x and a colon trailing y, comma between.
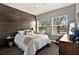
x: 28, y: 38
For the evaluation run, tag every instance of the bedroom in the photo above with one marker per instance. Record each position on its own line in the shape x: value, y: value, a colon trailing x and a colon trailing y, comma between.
x: 38, y: 20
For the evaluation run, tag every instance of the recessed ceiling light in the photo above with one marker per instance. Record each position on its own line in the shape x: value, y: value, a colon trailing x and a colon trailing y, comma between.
x: 40, y: 4
x: 37, y: 5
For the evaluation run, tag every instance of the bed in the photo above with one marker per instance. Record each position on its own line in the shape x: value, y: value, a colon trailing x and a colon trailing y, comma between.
x: 30, y: 43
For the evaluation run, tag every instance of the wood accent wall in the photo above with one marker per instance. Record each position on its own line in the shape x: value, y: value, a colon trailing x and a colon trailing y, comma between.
x: 12, y: 20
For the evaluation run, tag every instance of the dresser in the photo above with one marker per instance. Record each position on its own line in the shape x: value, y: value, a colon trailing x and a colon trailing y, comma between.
x: 67, y: 47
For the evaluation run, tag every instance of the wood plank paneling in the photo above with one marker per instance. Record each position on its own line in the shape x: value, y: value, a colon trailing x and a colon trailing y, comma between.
x: 12, y: 20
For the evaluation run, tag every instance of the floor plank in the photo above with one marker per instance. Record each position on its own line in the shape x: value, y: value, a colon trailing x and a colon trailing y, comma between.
x: 51, y: 49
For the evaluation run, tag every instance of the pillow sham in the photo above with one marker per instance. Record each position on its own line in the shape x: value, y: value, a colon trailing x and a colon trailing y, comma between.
x: 21, y: 32
x: 26, y: 32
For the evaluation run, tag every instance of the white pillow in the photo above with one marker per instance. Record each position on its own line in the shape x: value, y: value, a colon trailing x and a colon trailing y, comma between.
x: 21, y: 32
x: 28, y: 32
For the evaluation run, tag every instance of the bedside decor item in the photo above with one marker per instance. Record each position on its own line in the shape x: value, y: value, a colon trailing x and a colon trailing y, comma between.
x: 31, y: 29
x: 9, y: 37
x: 10, y: 44
x: 75, y: 35
x: 10, y: 41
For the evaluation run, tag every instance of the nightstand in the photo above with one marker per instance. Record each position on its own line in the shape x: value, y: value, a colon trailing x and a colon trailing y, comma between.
x: 10, y: 41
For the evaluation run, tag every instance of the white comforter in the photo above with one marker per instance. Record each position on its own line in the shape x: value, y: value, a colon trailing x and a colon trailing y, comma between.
x: 34, y: 45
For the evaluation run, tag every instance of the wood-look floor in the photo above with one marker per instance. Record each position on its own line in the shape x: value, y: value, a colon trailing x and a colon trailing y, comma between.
x: 52, y: 49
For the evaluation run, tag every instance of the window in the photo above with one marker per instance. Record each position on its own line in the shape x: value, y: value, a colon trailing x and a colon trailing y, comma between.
x: 42, y: 26
x: 59, y: 25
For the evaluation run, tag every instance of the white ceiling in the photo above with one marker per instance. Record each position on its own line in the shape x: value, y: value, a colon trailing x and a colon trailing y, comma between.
x: 37, y: 8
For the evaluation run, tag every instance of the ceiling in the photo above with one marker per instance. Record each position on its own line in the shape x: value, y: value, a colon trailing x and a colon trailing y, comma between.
x: 37, y: 8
